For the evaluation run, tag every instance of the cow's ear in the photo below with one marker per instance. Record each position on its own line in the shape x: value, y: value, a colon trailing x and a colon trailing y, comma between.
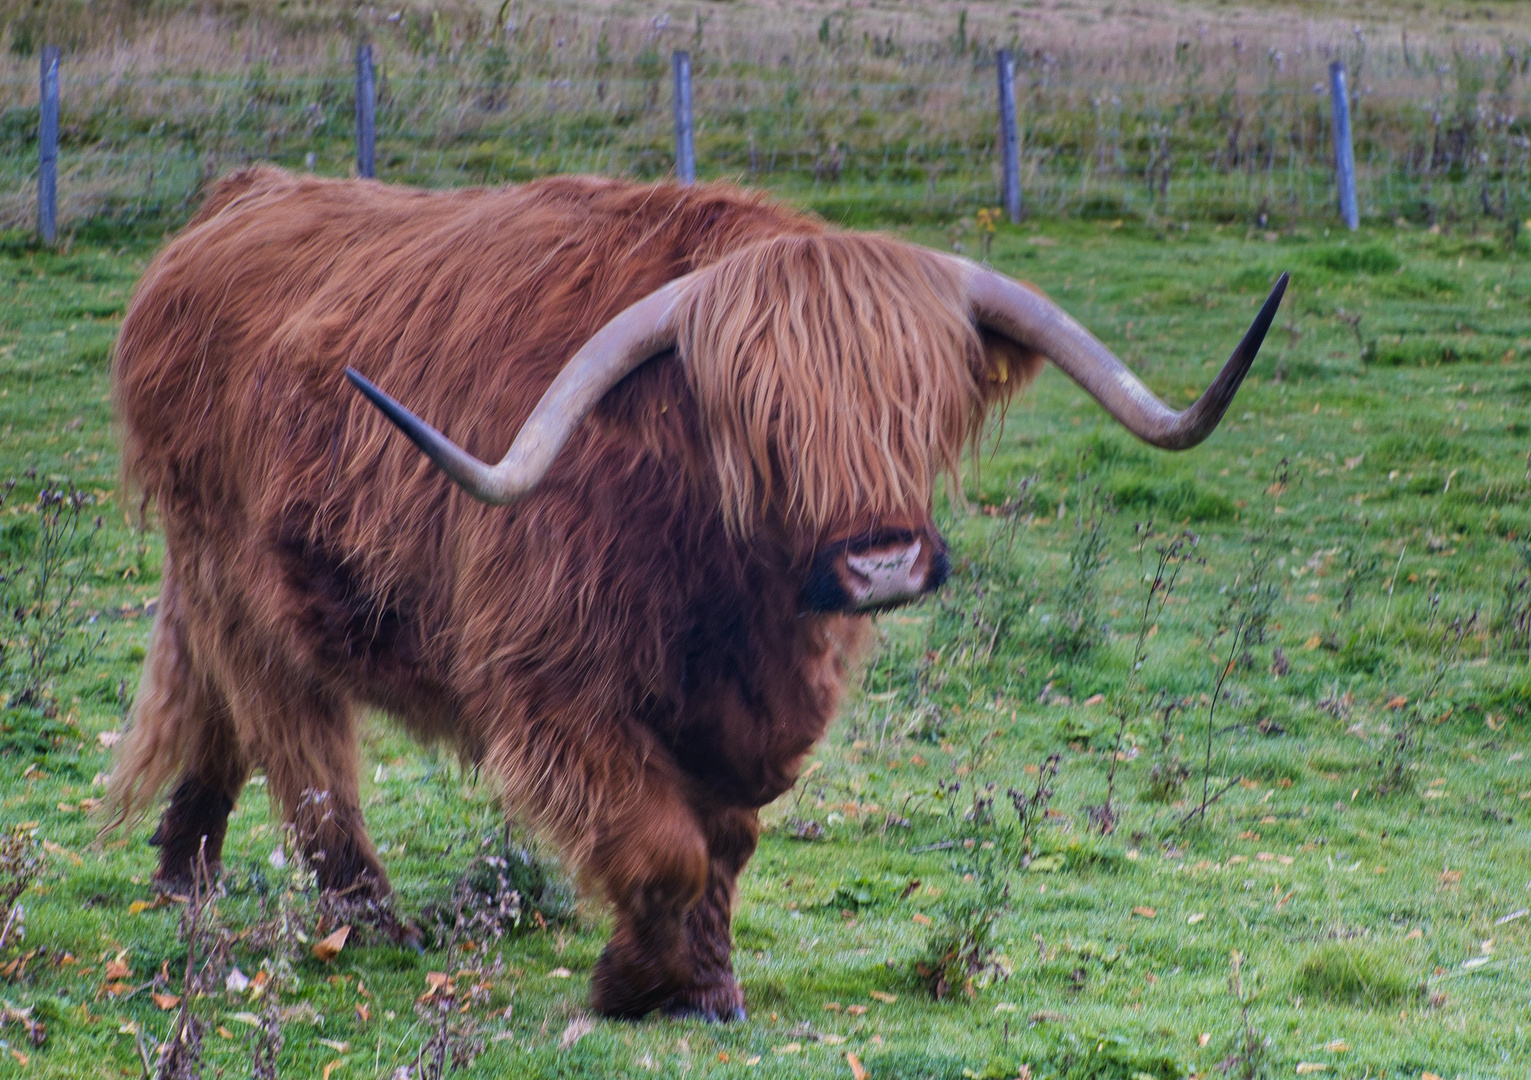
x: 1007, y: 368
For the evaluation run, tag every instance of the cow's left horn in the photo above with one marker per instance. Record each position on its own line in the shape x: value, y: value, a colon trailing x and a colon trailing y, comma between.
x: 1031, y: 319
x: 633, y: 336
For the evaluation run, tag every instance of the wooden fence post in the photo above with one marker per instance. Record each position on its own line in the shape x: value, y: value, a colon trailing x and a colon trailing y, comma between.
x: 1009, y: 136
x: 47, y: 147
x: 366, y: 113
x: 1344, y: 152
x: 685, y: 152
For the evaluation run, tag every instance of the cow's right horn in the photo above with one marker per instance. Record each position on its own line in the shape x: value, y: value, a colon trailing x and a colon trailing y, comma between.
x: 633, y: 336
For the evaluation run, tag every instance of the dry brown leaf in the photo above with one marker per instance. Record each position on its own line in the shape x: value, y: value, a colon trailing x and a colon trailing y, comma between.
x: 1145, y: 913
x: 117, y: 968
x: 922, y: 919
x: 166, y: 1002
x: 328, y: 948
x: 1204, y: 1038
x: 858, y: 1071
x: 790, y: 1048
x: 1397, y: 702
x: 856, y: 1010
x: 1305, y: 1067
x: 883, y: 996
x: 831, y: 1006
x: 331, y: 1067
x: 21, y: 1059
x: 1428, y: 1076
x: 1450, y: 877
x: 560, y: 973
x: 578, y: 1028
x: 363, y: 1013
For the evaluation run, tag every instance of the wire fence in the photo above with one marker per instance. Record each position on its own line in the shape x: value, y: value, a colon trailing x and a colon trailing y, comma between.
x: 1227, y: 136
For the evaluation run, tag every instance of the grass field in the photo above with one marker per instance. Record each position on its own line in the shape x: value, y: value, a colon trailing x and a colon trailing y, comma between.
x: 1353, y: 900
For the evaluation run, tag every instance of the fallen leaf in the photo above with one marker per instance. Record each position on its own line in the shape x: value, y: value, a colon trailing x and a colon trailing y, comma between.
x: 1264, y: 856
x: 1450, y: 877
x: 166, y: 1001
x: 1512, y: 916
x: 1145, y: 913
x: 831, y: 1006
x: 1204, y: 1038
x: 1095, y: 699
x: 224, y: 1032
x: 335, y: 1045
x: 109, y: 739
x: 856, y: 1010
x: 858, y: 1071
x: 790, y: 1048
x: 54, y: 849
x: 1337, y: 1046
x: 363, y: 1013
x: 578, y: 1028
x: 328, y: 948
x: 139, y: 906
x: 237, y: 981
x: 1414, y: 935
x: 560, y: 973
x: 723, y: 1057
x: 1305, y: 1067
x: 752, y: 1060
x: 883, y: 996
x: 245, y: 1018
x: 1195, y: 917
x: 831, y: 1040
x: 923, y: 920
x: 1312, y: 643
x: 1396, y: 702
x: 21, y: 1058
x: 1428, y: 1076
x: 117, y: 968
x: 331, y: 1067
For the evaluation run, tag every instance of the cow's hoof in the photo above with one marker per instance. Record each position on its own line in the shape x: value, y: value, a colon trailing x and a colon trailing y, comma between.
x: 737, y: 1015
x: 720, y: 1003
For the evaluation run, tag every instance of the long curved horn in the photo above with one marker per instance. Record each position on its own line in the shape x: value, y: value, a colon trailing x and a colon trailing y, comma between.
x: 632, y: 337
x: 1031, y: 319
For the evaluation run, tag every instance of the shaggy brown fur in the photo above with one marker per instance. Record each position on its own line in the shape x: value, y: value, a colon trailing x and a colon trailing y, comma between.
x: 625, y: 649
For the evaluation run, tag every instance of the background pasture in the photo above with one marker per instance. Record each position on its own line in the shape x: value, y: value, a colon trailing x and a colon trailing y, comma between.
x: 1357, y: 602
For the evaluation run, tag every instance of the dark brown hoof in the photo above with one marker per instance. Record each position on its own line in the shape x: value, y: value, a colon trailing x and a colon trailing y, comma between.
x: 716, y: 1003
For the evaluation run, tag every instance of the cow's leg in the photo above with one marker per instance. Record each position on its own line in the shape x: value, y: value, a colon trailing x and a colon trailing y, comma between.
x: 182, y: 725
x: 305, y: 736
x: 651, y: 856
x: 712, y: 993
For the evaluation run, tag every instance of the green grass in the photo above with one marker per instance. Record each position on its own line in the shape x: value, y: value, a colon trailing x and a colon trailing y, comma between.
x: 1368, y: 924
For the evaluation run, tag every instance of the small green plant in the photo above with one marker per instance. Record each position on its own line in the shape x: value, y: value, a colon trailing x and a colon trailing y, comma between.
x: 1172, y: 557
x: 1168, y: 775
x: 1079, y: 627
x: 1443, y: 642
x: 1249, y: 1049
x: 20, y: 865
x: 1512, y: 620
x: 46, y: 636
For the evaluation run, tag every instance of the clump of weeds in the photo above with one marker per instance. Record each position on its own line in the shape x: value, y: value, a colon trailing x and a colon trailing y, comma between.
x: 20, y: 866
x: 1172, y: 557
x: 961, y: 953
x: 1080, y: 627
x: 46, y: 636
x: 1249, y: 1049
x: 1512, y: 621
x: 1443, y: 642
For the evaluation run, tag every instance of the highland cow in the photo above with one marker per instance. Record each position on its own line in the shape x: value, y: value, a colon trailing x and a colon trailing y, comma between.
x: 726, y: 423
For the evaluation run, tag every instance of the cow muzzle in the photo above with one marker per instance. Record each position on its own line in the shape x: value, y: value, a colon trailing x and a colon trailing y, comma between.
x: 876, y: 572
